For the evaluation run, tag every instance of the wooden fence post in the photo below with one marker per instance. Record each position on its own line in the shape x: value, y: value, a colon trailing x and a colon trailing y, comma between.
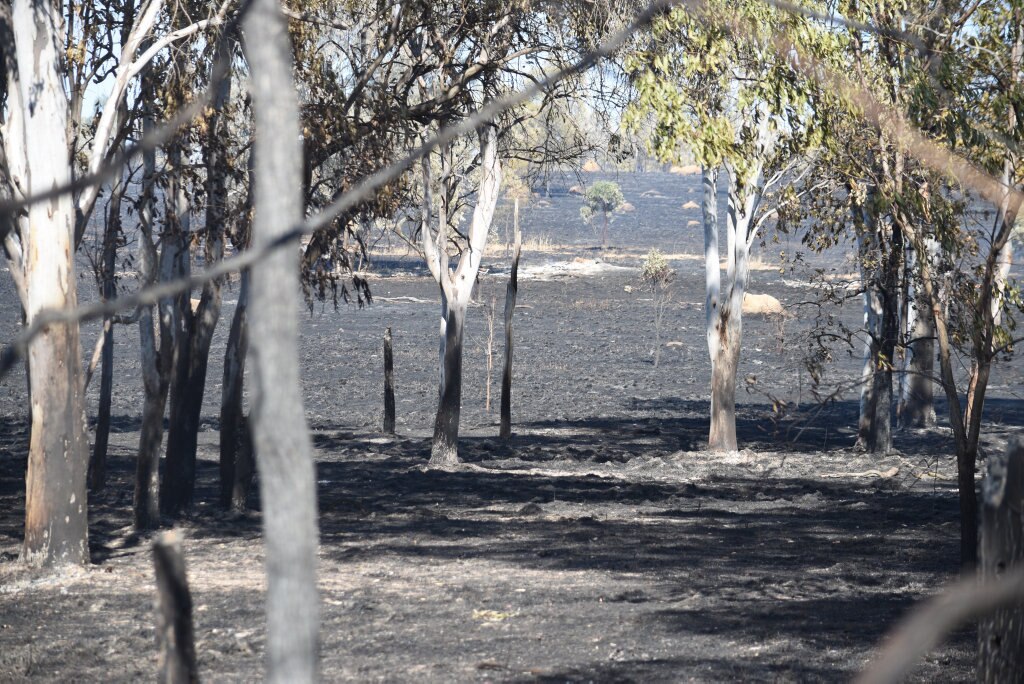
x: 389, y: 385
x: 505, y: 429
x: 1001, y: 548
x: 175, y: 638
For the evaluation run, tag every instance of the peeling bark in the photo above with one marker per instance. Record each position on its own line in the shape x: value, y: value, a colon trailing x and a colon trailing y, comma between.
x: 725, y: 332
x: 456, y: 289
x: 56, y: 528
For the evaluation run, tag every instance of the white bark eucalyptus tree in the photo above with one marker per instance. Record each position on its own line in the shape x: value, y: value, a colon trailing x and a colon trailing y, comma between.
x: 35, y: 138
x: 49, y: 60
x: 456, y: 286
x: 738, y: 103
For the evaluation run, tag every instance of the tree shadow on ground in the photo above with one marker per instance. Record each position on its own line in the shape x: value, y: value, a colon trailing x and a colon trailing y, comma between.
x: 797, y: 563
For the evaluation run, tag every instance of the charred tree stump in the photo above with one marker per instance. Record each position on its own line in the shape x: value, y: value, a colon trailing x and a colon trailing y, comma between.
x: 1001, y: 549
x: 389, y: 385
x: 505, y: 430
x: 175, y: 638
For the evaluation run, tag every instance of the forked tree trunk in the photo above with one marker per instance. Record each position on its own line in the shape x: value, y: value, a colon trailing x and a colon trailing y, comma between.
x: 1001, y: 550
x: 284, y: 449
x: 726, y: 334
x: 56, y: 529
x: 187, y: 393
x: 178, y: 484
x: 236, y: 467
x: 445, y: 448
x: 512, y: 290
x: 456, y: 288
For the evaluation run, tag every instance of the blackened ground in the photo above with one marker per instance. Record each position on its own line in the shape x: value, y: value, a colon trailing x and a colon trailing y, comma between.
x: 602, y: 543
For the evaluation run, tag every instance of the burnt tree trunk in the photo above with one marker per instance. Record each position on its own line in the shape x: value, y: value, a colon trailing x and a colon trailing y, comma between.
x: 722, y: 435
x: 389, y: 385
x: 284, y: 450
x: 879, y: 423
x: 445, y: 448
x: 1001, y: 549
x: 511, y: 291
x: 174, y: 632
x: 236, y: 466
x: 155, y: 357
x: 190, y: 385
x: 111, y: 235
x: 177, y: 318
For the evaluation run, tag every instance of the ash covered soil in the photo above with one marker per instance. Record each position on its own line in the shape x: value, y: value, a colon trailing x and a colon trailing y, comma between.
x: 602, y: 543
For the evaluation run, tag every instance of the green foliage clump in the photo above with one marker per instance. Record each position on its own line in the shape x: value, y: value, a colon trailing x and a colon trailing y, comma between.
x: 603, y: 197
x: 655, y: 273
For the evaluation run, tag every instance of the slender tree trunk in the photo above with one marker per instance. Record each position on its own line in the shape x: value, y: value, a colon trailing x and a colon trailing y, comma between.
x: 56, y: 529
x: 511, y: 292
x: 111, y: 241
x: 236, y: 467
x: 284, y: 449
x: 917, y: 406
x: 178, y: 485
x: 156, y: 356
x: 966, y: 457
x: 867, y: 247
x: 712, y: 271
x: 111, y: 235
x: 445, y: 448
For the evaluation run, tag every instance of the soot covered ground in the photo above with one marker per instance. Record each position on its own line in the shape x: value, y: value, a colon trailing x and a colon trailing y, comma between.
x: 602, y: 543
